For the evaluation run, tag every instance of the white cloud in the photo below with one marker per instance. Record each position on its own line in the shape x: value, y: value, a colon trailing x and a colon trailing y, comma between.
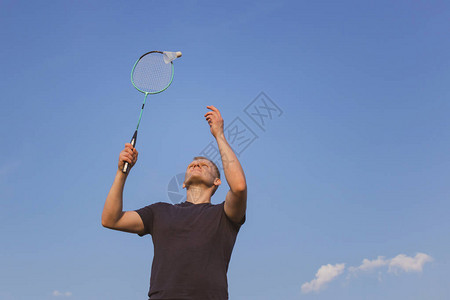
x: 57, y: 293
x: 369, y: 265
x: 401, y: 262
x: 409, y: 264
x: 325, y: 274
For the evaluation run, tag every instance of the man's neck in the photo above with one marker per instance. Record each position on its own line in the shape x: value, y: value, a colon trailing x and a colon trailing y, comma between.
x: 198, y: 195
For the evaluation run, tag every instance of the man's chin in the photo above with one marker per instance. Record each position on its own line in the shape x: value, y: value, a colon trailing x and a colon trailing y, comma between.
x: 195, y: 179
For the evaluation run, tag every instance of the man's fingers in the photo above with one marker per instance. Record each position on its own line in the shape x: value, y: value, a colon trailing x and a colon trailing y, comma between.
x: 126, y: 159
x: 125, y: 155
x: 129, y: 154
x: 129, y: 146
x: 211, y: 107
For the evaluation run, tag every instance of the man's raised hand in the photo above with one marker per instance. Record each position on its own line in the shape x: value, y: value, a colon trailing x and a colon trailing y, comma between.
x: 215, y: 121
x: 129, y: 154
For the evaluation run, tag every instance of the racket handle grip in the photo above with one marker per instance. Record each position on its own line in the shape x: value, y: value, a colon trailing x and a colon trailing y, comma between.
x: 126, y: 166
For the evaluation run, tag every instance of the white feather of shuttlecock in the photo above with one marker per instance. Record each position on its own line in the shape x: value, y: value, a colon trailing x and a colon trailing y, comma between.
x: 169, y: 56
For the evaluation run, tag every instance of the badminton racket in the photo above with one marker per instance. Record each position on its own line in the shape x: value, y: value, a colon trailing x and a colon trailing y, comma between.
x: 151, y: 74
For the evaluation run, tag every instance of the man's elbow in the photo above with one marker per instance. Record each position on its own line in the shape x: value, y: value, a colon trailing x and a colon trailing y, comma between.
x: 240, y: 188
x: 107, y: 223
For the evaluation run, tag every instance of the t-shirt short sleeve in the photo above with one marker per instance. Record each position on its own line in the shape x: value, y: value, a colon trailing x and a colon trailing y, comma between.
x: 238, y: 225
x: 147, y: 214
x: 235, y: 225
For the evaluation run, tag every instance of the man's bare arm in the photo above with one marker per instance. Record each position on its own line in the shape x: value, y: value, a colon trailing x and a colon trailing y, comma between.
x: 236, y: 199
x: 113, y: 216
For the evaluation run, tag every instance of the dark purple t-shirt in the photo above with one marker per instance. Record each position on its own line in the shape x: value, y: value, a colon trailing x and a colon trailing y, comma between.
x: 192, y: 248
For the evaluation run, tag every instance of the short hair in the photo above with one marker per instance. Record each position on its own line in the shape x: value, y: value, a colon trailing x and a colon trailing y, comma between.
x: 214, y: 165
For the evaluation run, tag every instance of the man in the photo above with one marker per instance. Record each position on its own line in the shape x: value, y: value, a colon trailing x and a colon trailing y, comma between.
x: 193, y: 240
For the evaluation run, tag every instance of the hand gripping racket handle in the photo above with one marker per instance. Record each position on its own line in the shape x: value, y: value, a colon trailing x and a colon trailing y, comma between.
x: 126, y: 166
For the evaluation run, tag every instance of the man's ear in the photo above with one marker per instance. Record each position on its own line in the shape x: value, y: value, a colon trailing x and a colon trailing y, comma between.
x: 217, y: 181
x: 184, y: 185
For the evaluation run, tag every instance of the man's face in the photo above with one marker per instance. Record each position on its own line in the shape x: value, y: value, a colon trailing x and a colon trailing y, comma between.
x: 200, y: 171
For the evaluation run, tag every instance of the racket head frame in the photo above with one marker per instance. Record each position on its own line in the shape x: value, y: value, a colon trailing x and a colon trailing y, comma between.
x: 146, y: 92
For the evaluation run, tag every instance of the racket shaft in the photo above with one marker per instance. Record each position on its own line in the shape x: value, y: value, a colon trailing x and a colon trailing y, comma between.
x: 126, y: 166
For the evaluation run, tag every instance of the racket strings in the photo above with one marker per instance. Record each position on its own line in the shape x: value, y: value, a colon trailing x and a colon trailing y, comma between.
x: 152, y: 74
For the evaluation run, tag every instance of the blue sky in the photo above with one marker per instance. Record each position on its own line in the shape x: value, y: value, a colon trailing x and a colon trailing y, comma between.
x: 354, y: 166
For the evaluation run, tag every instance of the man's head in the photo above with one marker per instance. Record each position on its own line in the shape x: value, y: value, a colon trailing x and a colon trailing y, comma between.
x: 202, y: 171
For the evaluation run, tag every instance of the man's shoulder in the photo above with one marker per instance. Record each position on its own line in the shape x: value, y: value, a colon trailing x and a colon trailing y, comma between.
x: 156, y: 205
x: 161, y: 205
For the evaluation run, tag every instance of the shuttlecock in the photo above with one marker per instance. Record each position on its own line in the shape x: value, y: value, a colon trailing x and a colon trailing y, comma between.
x: 170, y: 56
